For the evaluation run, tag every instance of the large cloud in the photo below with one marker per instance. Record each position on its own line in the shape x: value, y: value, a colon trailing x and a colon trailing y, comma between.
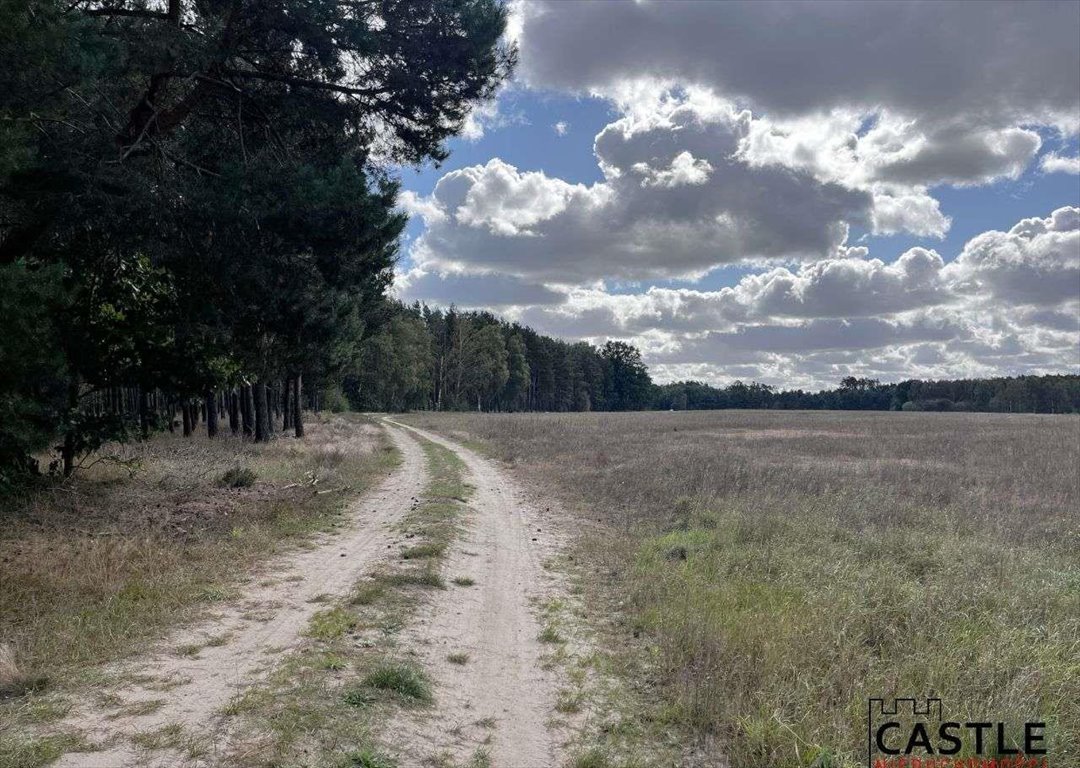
x: 889, y: 97
x: 1003, y: 63
x: 676, y: 201
x: 1037, y: 262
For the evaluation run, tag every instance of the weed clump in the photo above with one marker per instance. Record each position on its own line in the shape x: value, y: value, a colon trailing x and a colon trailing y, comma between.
x: 550, y: 634
x: 331, y: 624
x: 237, y: 477
x: 367, y: 594
x: 427, y: 577
x: 423, y: 551
x: 594, y: 758
x: 402, y: 679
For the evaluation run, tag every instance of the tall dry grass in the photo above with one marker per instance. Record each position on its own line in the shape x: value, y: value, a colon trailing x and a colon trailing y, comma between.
x: 767, y: 572
x: 92, y: 567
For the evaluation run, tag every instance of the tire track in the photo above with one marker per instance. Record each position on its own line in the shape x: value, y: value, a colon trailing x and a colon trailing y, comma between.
x: 502, y: 698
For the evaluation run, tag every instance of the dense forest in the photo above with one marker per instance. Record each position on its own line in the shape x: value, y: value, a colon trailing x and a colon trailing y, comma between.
x: 197, y: 213
x: 424, y: 358
x: 431, y: 359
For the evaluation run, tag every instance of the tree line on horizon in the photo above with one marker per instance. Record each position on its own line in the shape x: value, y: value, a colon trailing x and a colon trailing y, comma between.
x: 1050, y: 393
x: 424, y: 358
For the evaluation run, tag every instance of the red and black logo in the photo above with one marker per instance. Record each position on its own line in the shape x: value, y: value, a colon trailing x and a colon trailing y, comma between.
x: 907, y: 733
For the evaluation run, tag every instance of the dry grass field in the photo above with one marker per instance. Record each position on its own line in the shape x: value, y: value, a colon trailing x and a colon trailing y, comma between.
x: 93, y: 567
x: 762, y: 574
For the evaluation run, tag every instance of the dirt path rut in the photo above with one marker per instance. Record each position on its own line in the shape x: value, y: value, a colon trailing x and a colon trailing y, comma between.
x: 242, y: 642
x: 502, y: 699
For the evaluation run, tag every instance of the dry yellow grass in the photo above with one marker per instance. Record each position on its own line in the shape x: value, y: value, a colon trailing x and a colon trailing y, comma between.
x: 95, y: 566
x: 759, y: 575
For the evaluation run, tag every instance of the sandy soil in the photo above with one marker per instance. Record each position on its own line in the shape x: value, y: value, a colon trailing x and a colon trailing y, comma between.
x: 248, y: 637
x: 501, y: 699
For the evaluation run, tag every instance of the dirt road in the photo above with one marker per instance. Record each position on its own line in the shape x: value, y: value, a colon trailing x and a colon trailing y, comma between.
x: 500, y: 697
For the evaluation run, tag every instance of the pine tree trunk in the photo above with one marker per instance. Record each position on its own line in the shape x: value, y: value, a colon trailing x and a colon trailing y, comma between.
x: 262, y: 413
x: 67, y: 451
x: 185, y: 412
x: 297, y: 406
x: 211, y: 414
x: 234, y: 412
x: 144, y: 412
x: 286, y: 405
x: 247, y: 411
x: 273, y: 404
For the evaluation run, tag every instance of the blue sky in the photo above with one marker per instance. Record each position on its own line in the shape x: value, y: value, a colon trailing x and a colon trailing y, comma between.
x: 694, y: 200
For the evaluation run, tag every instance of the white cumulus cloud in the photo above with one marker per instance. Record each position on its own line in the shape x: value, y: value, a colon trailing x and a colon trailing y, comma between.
x: 1053, y: 162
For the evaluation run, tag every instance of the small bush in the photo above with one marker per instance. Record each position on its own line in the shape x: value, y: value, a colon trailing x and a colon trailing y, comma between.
x: 237, y: 477
x: 405, y: 680
x: 334, y: 400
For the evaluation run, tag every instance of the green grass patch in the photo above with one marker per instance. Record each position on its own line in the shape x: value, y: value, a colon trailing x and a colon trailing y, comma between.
x: 169, y: 736
x: 331, y: 624
x: 568, y: 702
x: 432, y: 549
x: 426, y: 577
x: 18, y: 752
x: 401, y: 679
x: 368, y: 593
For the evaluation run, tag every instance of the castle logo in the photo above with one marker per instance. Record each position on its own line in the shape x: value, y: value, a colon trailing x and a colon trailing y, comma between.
x: 909, y: 733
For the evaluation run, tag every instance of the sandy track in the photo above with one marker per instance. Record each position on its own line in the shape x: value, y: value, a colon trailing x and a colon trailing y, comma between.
x: 502, y: 693
x: 253, y: 634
